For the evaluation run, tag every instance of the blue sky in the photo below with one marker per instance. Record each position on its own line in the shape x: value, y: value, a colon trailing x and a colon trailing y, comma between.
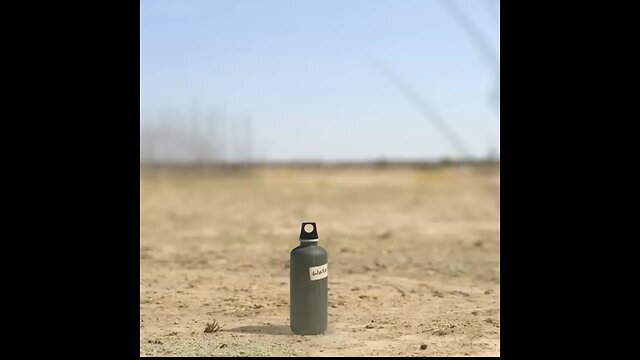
x: 298, y: 69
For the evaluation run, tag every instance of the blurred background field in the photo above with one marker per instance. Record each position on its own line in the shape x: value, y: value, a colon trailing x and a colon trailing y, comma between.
x: 379, y: 120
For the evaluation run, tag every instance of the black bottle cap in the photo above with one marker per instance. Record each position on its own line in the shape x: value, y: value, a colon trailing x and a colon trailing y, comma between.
x: 304, y: 235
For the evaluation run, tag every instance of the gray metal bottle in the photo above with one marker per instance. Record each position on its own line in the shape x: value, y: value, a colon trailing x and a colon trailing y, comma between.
x: 308, y: 274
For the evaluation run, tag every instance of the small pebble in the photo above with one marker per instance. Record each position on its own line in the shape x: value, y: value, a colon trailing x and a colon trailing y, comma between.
x: 423, y: 346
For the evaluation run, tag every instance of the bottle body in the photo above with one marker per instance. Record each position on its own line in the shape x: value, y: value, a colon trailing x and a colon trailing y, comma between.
x: 308, y: 289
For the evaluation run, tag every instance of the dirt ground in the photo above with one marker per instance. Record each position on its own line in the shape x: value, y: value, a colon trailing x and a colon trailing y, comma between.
x: 414, y: 260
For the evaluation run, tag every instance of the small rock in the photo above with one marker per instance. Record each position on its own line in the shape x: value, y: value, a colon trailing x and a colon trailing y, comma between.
x: 369, y: 326
x: 423, y: 346
x: 223, y: 346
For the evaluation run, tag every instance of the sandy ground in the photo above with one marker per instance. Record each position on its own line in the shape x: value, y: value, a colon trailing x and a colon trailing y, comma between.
x: 414, y: 258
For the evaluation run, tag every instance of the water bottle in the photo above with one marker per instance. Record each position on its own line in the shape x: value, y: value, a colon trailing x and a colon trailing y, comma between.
x: 308, y: 275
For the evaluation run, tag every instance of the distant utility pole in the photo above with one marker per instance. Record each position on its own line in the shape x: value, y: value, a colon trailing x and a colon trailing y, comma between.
x: 248, y: 139
x: 211, y: 134
x: 235, y: 140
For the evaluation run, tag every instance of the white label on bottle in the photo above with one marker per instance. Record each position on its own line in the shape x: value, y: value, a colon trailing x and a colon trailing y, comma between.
x: 318, y: 272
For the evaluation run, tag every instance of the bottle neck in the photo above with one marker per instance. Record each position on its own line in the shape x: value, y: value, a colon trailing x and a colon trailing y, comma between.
x: 305, y: 243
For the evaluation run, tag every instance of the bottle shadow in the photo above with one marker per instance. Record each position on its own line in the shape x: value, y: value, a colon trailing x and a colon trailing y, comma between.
x: 263, y: 329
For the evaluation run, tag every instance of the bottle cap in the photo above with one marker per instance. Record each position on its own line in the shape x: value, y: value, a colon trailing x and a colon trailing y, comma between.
x: 308, y: 236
